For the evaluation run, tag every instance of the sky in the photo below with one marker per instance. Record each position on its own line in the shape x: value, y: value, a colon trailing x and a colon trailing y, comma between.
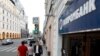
x: 34, y: 8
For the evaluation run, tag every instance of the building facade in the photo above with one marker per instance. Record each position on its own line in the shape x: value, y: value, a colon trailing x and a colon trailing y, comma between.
x: 10, y: 17
x: 72, y: 27
x: 53, y: 8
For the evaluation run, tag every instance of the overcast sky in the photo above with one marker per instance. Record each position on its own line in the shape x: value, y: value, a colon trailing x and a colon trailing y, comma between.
x: 34, y: 8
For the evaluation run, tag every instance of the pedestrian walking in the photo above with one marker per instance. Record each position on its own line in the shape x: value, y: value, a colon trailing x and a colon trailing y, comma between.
x: 38, y: 49
x: 44, y: 41
x: 30, y: 50
x: 22, y: 49
x: 41, y: 42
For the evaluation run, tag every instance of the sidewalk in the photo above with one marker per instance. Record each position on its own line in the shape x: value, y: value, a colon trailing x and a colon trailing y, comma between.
x: 44, y: 51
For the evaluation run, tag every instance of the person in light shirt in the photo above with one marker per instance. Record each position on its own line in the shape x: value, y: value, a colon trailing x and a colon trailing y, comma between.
x: 38, y: 49
x: 41, y: 42
x: 30, y: 50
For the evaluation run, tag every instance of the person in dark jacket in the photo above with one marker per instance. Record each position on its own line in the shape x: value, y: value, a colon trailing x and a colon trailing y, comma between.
x: 38, y: 49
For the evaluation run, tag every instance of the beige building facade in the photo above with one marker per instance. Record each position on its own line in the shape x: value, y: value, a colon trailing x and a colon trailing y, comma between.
x: 10, y: 17
x: 53, y: 8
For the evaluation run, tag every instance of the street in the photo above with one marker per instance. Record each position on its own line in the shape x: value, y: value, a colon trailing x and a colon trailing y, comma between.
x: 10, y: 50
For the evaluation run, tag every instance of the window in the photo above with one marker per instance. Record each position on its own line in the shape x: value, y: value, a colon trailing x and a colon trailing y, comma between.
x: 3, y: 11
x: 10, y: 15
x: 7, y: 26
x: 7, y: 14
x: 10, y: 24
x: 3, y: 25
x: 7, y: 20
x: 3, y: 18
x: 10, y: 27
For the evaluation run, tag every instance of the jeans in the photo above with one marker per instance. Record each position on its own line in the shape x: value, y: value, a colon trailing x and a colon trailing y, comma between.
x: 37, y: 54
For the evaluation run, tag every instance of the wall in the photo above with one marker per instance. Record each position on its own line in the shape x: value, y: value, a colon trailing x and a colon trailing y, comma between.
x: 53, y: 39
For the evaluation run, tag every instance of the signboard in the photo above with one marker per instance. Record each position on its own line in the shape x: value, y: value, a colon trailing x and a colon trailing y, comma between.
x: 35, y: 20
x: 80, y: 15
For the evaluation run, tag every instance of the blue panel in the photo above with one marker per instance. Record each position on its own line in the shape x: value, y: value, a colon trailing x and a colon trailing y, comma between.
x: 88, y: 21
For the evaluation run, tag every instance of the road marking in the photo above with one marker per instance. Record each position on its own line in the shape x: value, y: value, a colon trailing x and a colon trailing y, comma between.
x: 6, y: 48
x: 14, y: 50
x: 11, y: 49
x: 1, y: 48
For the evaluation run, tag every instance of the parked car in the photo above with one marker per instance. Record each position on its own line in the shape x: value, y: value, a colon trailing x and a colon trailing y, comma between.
x: 7, y: 41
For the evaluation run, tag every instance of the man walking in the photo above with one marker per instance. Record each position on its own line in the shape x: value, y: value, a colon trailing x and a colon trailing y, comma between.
x: 38, y: 49
x: 22, y: 49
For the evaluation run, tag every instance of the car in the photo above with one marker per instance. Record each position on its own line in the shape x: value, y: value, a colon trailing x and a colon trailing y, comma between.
x: 30, y: 40
x: 7, y: 41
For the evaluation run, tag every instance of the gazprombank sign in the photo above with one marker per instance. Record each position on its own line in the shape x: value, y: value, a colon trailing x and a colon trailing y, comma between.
x: 80, y: 15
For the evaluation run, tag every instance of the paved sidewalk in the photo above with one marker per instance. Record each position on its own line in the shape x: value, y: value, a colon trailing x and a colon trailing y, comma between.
x: 44, y: 51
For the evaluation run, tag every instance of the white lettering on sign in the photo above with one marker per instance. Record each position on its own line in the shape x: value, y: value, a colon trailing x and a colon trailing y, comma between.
x: 86, y: 8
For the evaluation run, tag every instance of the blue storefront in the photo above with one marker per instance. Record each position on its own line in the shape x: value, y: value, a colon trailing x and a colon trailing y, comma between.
x: 79, y: 24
